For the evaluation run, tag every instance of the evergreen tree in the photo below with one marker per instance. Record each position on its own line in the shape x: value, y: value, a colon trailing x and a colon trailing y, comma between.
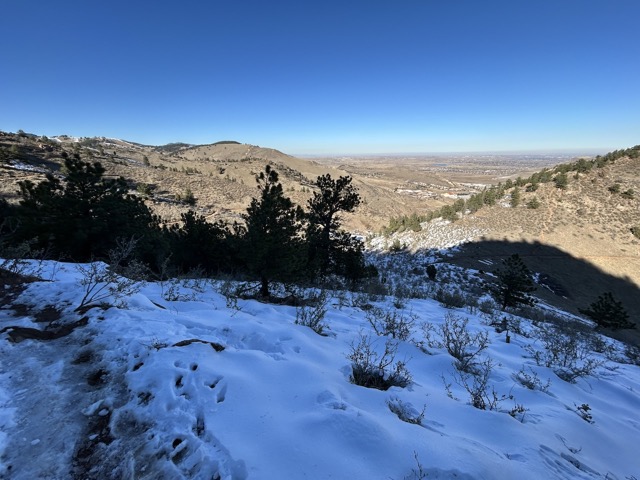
x: 607, y: 312
x: 515, y: 197
x: 514, y: 283
x: 432, y: 272
x: 272, y: 247
x: 198, y: 243
x: 561, y: 181
x: 329, y: 248
x: 534, y: 203
x: 82, y: 217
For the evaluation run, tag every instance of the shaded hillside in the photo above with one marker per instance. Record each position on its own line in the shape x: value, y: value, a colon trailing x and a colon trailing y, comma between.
x: 564, y: 281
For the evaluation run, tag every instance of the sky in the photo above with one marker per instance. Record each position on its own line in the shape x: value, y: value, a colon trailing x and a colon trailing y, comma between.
x: 330, y: 77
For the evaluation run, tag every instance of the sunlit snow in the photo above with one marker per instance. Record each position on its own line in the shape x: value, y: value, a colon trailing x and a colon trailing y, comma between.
x: 140, y: 392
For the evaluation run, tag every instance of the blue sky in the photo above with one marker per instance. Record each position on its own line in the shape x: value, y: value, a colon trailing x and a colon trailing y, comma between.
x: 327, y: 77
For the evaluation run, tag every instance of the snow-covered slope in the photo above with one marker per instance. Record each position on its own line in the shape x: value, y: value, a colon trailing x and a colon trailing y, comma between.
x: 146, y: 391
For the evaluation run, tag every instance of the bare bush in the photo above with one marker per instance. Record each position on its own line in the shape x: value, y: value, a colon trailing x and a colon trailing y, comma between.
x: 100, y: 283
x: 14, y: 259
x: 567, y: 351
x: 460, y: 343
x: 487, y: 306
x: 632, y: 354
x: 531, y: 380
x: 230, y: 291
x: 518, y: 412
x: 584, y: 411
x: 373, y: 370
x: 450, y: 298
x: 173, y: 291
x: 312, y: 315
x: 391, y: 322
x: 481, y: 395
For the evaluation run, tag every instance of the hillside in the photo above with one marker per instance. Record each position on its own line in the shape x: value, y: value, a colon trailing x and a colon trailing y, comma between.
x: 580, y: 237
x: 221, y: 176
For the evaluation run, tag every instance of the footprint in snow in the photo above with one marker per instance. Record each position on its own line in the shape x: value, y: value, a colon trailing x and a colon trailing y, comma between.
x: 329, y: 400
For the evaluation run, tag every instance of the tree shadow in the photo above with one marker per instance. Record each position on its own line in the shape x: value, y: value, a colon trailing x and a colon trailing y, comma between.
x: 564, y: 281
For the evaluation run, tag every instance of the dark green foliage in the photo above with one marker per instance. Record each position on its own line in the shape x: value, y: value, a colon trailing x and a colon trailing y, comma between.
x: 447, y: 212
x: 611, y: 157
x: 532, y: 187
x: 432, y: 272
x: 534, y: 203
x: 607, y: 312
x: 82, y: 217
x: 514, y: 283
x: 561, y: 181
x: 145, y: 189
x: 582, y: 166
x: 615, y: 188
x: 490, y: 196
x: 475, y: 203
x: 396, y: 246
x: 200, y: 244
x: 458, y: 205
x: 515, y: 197
x: 271, y: 245
x: 404, y: 222
x: 329, y: 248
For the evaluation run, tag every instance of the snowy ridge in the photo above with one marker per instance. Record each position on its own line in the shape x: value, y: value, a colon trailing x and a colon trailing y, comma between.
x: 194, y: 388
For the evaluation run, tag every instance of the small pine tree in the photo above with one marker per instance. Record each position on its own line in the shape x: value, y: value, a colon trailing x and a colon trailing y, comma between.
x: 561, y: 181
x: 534, y: 203
x: 607, y: 312
x: 514, y: 283
x: 327, y: 244
x: 432, y: 272
x: 271, y: 241
x: 515, y: 197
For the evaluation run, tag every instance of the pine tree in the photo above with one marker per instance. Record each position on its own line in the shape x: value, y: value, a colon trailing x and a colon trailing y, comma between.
x: 515, y: 197
x: 82, y: 217
x: 607, y: 312
x: 199, y: 243
x: 330, y: 249
x: 561, y: 181
x: 514, y: 283
x: 272, y: 247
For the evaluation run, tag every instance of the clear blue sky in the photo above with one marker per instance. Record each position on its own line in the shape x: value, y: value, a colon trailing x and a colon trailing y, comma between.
x: 327, y: 76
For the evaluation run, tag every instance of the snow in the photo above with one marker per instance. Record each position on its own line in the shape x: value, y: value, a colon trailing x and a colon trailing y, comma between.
x: 119, y: 399
x: 18, y: 165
